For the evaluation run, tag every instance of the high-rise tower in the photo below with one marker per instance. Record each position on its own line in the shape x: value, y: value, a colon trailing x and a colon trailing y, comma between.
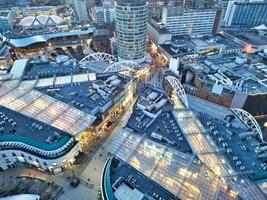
x: 131, y: 29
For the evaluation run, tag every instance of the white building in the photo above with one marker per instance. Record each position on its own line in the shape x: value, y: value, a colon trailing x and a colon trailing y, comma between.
x: 193, y: 22
x: 103, y: 14
x: 158, y: 33
x: 81, y: 9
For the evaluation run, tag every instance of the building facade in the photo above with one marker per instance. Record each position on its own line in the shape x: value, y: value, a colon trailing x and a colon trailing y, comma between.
x: 131, y: 29
x: 246, y: 14
x: 81, y: 9
x: 103, y: 14
x: 158, y: 33
x: 193, y: 22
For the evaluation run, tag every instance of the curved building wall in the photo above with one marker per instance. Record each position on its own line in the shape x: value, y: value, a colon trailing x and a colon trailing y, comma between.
x: 9, y: 158
x: 131, y: 29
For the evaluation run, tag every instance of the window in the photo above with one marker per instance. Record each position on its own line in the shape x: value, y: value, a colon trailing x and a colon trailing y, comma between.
x: 13, y: 154
x: 4, y: 155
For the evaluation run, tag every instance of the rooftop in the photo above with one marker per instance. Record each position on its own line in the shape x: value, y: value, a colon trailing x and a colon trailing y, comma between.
x: 49, y: 69
x: 93, y: 97
x: 153, y: 119
x: 124, y: 175
x: 168, y: 168
x: 250, y: 37
x: 17, y: 127
x: 158, y: 25
x: 23, y: 98
x: 234, y: 72
x: 238, y: 141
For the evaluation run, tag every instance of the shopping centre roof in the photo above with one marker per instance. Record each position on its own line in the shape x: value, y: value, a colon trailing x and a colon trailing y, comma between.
x: 34, y: 104
x: 181, y: 174
x: 16, y: 127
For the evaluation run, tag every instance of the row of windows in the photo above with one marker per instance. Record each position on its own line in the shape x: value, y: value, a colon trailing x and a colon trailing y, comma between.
x: 250, y: 15
x: 23, y: 156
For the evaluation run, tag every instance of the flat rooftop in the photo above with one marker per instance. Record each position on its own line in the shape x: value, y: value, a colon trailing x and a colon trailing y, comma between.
x: 16, y: 127
x: 164, y: 123
x: 124, y: 173
x: 23, y: 98
x: 235, y: 72
x: 242, y: 157
x: 86, y: 95
x: 158, y: 25
x: 50, y: 69
x: 176, y: 51
x: 250, y: 37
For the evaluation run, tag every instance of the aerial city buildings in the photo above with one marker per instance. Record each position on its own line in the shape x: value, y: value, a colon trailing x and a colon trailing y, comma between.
x: 133, y: 99
x: 81, y: 9
x: 246, y: 14
x: 131, y: 29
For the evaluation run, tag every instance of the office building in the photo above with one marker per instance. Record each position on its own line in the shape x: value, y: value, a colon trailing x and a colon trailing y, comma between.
x: 246, y: 14
x: 131, y: 29
x: 103, y: 14
x: 158, y: 33
x: 81, y: 9
x: 193, y: 22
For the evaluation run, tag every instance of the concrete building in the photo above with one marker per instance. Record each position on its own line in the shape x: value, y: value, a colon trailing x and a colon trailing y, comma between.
x: 158, y: 33
x: 47, y: 132
x: 103, y: 14
x: 246, y: 14
x: 81, y: 9
x: 160, y: 138
x: 193, y: 22
x: 131, y: 29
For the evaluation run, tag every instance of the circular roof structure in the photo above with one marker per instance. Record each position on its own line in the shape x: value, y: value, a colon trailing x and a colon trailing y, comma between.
x: 41, y: 20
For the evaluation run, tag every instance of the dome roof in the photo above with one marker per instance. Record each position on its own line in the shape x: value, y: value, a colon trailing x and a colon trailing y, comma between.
x: 27, y: 21
x: 41, y: 20
x: 57, y: 19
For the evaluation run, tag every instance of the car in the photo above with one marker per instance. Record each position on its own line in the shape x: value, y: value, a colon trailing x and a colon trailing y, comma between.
x: 235, y: 158
x: 238, y: 163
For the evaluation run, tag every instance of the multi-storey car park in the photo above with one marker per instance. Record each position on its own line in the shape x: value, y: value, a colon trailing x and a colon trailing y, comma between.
x: 47, y: 121
x: 187, y: 148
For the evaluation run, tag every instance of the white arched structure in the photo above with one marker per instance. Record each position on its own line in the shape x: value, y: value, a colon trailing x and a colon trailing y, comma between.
x: 249, y: 120
x: 122, y: 66
x: 178, y: 88
x: 94, y: 57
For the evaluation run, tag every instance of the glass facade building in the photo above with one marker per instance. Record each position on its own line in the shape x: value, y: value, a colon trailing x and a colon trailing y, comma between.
x: 131, y: 29
x: 241, y: 14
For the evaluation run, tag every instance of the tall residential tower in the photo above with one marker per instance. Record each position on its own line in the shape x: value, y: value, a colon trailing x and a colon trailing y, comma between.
x: 131, y: 29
